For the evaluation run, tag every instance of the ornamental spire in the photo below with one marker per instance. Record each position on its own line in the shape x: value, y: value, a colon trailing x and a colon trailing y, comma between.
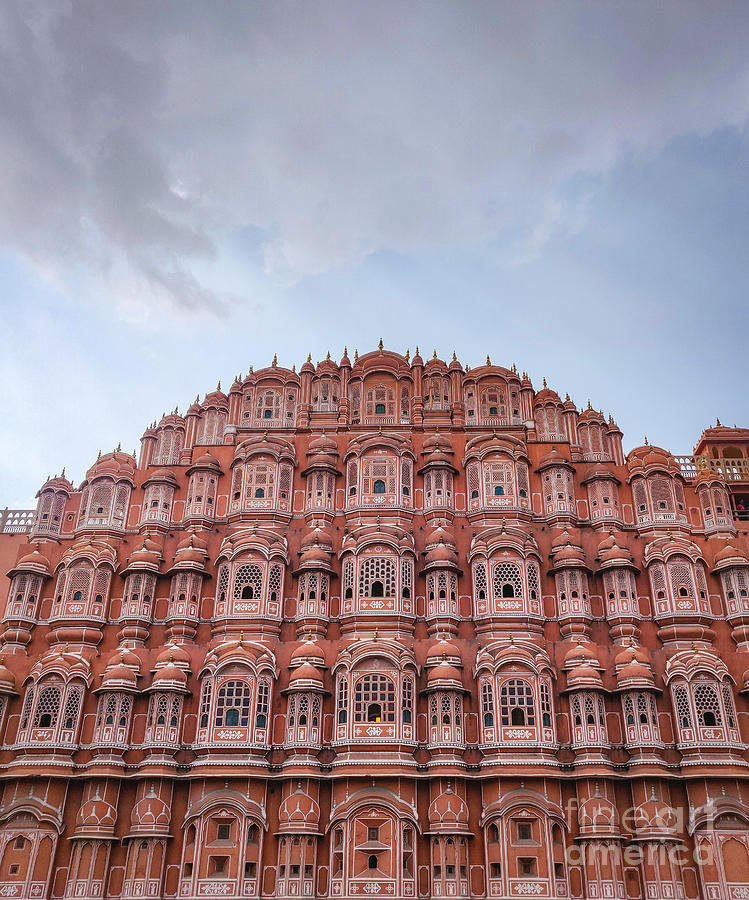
x: 380, y: 346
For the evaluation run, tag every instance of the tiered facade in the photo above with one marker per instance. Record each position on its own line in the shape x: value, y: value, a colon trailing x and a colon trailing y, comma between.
x: 386, y: 628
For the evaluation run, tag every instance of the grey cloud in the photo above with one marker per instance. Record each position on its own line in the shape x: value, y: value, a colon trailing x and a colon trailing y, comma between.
x: 139, y: 134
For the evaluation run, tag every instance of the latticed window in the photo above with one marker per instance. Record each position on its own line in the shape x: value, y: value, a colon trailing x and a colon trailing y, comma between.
x: 507, y: 581
x: 662, y: 494
x: 263, y: 703
x: 708, y: 706
x: 499, y: 482
x: 494, y: 405
x: 621, y: 595
x: 377, y: 577
x: 640, y: 719
x: 342, y: 701
x: 735, y: 583
x: 259, y: 482
x: 438, y: 488
x: 268, y: 406
x: 680, y: 574
x: 407, y: 693
x: 516, y: 706
x: 325, y: 391
x: 374, y: 699
x: 211, y: 429
x: 683, y: 707
x: 380, y: 402
x: 436, y: 391
x: 23, y: 597
x: 113, y: 718
x: 479, y: 581
x: 233, y: 704
x: 379, y: 475
x: 487, y: 703
x: 48, y: 707
x: 550, y: 424
x: 248, y: 580
x: 588, y: 719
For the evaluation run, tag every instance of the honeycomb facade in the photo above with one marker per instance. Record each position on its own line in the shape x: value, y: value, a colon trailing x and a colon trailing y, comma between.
x: 380, y: 628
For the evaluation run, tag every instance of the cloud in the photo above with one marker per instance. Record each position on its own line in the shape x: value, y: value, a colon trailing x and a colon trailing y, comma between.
x: 137, y: 136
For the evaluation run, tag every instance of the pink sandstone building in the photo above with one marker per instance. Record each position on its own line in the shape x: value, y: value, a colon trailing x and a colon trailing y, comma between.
x: 382, y: 628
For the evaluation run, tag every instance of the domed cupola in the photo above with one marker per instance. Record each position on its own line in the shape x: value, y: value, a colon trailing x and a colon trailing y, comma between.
x: 314, y: 572
x: 52, y: 499
x: 304, y: 699
x: 106, y: 492
x: 617, y: 570
x: 445, y: 698
x: 570, y: 570
x: 587, y: 704
x: 442, y: 573
x: 548, y: 414
x: 557, y: 478
x: 439, y: 471
x: 592, y: 436
x: 320, y: 474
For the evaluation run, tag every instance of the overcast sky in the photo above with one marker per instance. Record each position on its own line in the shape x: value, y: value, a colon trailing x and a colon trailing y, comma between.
x: 187, y: 188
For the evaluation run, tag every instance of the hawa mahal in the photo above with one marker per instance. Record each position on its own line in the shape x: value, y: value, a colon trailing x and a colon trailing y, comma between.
x: 383, y: 628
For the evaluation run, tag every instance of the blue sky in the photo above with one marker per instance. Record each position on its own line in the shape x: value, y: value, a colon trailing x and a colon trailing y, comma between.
x: 189, y: 189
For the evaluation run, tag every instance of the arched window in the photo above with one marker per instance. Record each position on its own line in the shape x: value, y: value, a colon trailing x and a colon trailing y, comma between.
x: 233, y: 703
x: 378, y: 589
x: 378, y: 487
x: 374, y: 699
x: 516, y: 705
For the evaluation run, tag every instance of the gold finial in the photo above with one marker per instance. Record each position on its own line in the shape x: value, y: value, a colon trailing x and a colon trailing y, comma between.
x: 408, y: 354
x: 327, y: 358
x: 417, y: 349
x: 218, y: 385
x: 567, y: 397
x: 345, y: 350
x: 171, y: 654
x: 119, y: 447
x: 380, y: 430
x: 545, y: 385
x: 455, y: 358
x: 62, y: 474
x: 293, y: 367
x: 646, y: 441
x: 98, y: 455
x: 380, y: 345
x: 488, y: 360
x: 376, y: 632
x: 514, y: 369
x: 275, y: 360
x: 434, y: 354
x: 241, y: 636
x: 717, y: 423
x: 309, y: 357
x: 356, y: 355
x: 251, y: 370
x: 265, y: 435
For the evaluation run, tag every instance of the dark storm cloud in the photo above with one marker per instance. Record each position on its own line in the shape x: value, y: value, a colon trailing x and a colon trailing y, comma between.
x: 137, y: 136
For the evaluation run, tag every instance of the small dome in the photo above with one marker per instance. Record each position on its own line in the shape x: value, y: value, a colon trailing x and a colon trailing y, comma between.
x: 580, y: 654
x: 634, y: 674
x: 206, y: 461
x: 174, y: 653
x: 727, y: 556
x: 306, y: 674
x: 553, y: 458
x: 119, y: 675
x: 170, y: 674
x: 444, y: 674
x: 633, y: 653
x: 58, y: 483
x: 161, y: 476
x: 322, y: 443
x: 33, y: 562
x: 443, y: 651
x: 115, y: 465
x: 583, y: 676
x: 7, y: 679
x: 308, y: 652
x: 610, y: 553
x: 546, y: 395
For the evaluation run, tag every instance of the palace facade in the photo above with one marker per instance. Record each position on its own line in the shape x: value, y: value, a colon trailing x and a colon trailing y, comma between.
x: 380, y: 628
